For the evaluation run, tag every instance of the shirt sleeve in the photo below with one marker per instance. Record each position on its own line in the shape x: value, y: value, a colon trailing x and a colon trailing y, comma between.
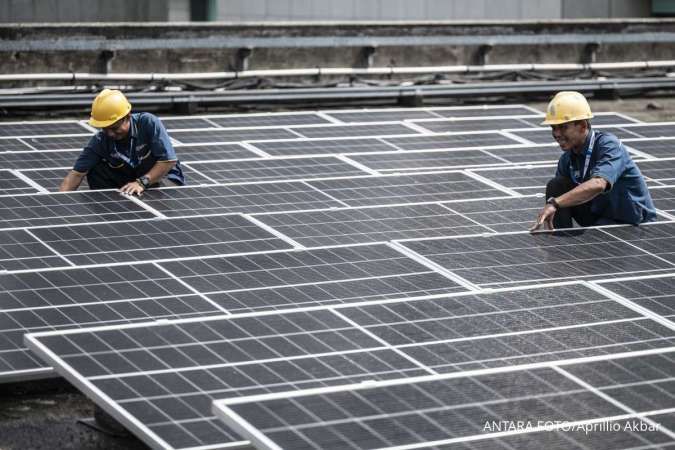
x: 90, y: 155
x: 160, y: 143
x: 611, y: 161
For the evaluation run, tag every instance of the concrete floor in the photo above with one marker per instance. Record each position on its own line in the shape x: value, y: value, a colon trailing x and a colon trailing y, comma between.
x: 44, y: 414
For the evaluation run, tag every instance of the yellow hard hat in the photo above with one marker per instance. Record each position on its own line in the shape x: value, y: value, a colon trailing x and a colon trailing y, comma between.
x: 567, y: 106
x: 109, y: 106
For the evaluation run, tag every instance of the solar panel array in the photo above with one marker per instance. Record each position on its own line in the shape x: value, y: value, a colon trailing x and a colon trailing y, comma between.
x: 343, y: 279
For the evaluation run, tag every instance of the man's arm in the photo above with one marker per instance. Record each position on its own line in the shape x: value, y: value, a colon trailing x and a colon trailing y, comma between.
x: 72, y: 181
x: 155, y: 174
x: 581, y: 194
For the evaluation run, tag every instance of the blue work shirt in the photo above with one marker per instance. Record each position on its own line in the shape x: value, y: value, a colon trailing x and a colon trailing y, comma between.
x: 146, y: 143
x: 626, y: 198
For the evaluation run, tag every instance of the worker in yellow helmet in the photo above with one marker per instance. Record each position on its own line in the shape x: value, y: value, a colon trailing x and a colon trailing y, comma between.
x: 596, y: 182
x: 131, y: 152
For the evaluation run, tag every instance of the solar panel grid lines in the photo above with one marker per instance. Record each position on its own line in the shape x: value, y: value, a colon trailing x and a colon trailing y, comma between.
x: 41, y: 128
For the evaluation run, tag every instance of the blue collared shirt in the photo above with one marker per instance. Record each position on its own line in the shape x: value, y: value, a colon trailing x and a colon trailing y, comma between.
x: 626, y: 198
x: 147, y: 143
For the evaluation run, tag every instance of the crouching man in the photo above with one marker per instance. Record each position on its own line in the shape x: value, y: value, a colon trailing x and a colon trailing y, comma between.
x: 131, y: 152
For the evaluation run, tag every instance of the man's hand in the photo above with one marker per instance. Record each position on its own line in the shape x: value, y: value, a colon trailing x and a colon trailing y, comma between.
x: 132, y: 188
x: 546, y: 216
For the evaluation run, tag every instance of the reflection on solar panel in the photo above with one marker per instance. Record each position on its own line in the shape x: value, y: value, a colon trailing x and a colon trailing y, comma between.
x: 388, y: 281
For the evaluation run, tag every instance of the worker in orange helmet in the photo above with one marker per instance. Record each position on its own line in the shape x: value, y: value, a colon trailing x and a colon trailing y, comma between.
x: 131, y: 152
x: 596, y: 182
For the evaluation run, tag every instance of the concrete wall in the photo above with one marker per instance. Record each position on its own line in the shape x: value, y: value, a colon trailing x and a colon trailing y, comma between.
x: 275, y: 10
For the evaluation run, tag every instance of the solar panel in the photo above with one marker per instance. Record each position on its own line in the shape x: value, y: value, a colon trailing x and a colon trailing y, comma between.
x: 107, y: 243
x: 38, y: 160
x: 180, y: 123
x: 354, y: 130
x: 152, y: 373
x: 74, y: 142
x: 16, y: 129
x: 376, y: 115
x: 12, y: 184
x: 501, y: 215
x: 12, y: 145
x: 523, y: 180
x: 430, y: 411
x: 543, y: 136
x: 658, y: 172
x: 199, y: 152
x: 20, y: 250
x: 267, y: 120
x: 485, y: 111
x: 664, y: 199
x: 243, y: 198
x: 528, y: 154
x: 417, y: 188
x: 322, y: 262
x: 323, y: 146
x: 656, y: 294
x: 67, y: 208
x: 525, y: 258
x: 75, y: 297
x: 277, y: 169
x: 653, y: 131
x: 450, y: 141
x: 427, y: 160
x: 309, y: 278
x: 659, y: 148
x: 598, y: 119
x: 229, y: 135
x: 482, y: 124
x: 355, y: 226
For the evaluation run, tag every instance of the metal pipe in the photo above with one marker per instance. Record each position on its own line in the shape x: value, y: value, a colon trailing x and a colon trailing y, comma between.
x: 332, y: 71
x: 387, y: 93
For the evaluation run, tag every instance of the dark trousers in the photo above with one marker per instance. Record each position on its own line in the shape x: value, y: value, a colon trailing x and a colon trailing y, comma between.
x: 563, y: 217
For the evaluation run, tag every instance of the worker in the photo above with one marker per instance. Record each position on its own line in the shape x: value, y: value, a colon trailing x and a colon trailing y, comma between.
x: 131, y: 152
x: 596, y: 182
